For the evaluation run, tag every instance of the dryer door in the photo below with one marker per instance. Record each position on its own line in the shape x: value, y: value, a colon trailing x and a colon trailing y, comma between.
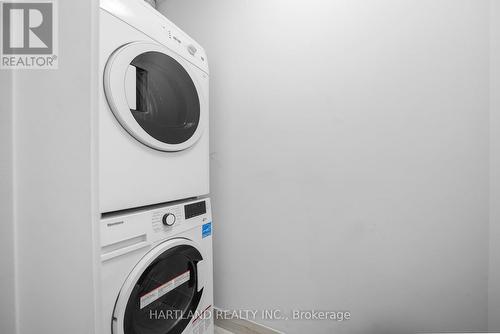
x: 162, y: 294
x: 154, y: 94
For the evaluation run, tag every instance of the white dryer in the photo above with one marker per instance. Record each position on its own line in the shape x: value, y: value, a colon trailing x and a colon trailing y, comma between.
x: 153, y: 117
x: 157, y: 270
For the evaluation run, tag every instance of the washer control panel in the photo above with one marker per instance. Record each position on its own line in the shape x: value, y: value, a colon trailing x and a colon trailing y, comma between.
x: 166, y: 218
x: 195, y: 209
x: 178, y: 217
x: 123, y: 232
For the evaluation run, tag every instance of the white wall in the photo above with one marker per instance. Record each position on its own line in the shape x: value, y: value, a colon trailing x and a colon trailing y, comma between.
x: 7, y: 248
x: 349, y: 158
x: 55, y: 211
x: 494, y: 276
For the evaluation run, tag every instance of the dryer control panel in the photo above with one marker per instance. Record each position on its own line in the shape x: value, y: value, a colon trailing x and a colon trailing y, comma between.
x: 156, y: 26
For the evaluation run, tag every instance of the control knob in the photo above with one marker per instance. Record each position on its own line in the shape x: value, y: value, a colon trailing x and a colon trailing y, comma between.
x: 168, y: 219
x: 191, y: 49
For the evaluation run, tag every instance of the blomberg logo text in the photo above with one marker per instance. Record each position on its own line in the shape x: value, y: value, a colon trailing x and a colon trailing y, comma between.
x: 29, y: 34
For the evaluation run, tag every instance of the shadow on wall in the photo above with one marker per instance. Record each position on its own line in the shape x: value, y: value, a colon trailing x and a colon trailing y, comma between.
x: 151, y: 2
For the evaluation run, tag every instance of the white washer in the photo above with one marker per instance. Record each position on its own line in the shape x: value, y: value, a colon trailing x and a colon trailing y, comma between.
x: 157, y: 270
x: 153, y: 117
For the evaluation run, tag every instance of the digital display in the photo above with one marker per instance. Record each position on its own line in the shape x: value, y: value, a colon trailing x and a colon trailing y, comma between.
x: 195, y: 209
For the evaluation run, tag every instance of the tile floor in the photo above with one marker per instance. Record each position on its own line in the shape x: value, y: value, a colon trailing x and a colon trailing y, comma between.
x: 219, y: 330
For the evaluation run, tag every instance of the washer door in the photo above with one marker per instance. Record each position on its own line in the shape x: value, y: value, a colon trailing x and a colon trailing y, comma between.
x: 161, y: 295
x: 152, y: 93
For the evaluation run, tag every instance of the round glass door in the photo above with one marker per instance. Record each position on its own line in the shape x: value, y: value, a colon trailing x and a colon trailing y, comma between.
x: 166, y: 102
x: 152, y: 94
x: 165, y: 297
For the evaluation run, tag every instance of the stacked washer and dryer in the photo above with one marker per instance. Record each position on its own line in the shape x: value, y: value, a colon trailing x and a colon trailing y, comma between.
x: 153, y: 142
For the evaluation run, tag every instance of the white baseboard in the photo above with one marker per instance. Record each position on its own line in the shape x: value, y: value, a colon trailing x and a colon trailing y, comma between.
x: 243, y: 326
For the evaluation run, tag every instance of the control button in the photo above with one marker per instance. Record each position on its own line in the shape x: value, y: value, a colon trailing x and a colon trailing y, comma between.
x: 168, y: 219
x: 191, y: 49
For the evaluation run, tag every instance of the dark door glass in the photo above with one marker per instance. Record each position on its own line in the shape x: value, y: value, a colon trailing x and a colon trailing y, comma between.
x: 171, y: 312
x: 167, y: 103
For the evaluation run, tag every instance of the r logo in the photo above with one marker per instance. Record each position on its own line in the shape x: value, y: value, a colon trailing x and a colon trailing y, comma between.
x: 27, y: 28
